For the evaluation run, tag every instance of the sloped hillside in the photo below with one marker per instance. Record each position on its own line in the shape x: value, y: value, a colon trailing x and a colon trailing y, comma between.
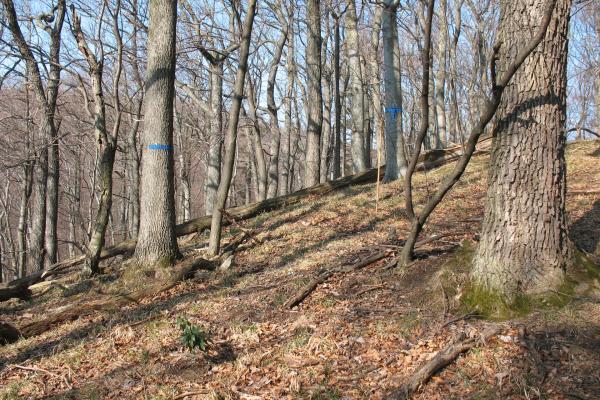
x: 358, y: 335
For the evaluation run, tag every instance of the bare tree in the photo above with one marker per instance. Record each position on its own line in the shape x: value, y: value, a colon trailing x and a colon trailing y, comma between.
x: 106, y: 141
x: 231, y: 137
x: 314, y: 93
x: 157, y: 242
x: 46, y: 98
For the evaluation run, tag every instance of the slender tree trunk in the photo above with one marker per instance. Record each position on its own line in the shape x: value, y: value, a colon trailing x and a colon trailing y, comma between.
x: 337, y: 170
x: 134, y: 171
x: 524, y: 246
x: 157, y: 242
x: 273, y: 174
x: 259, y: 154
x: 315, y: 105
x: 440, y: 76
x: 231, y: 138
x: 284, y: 177
x: 46, y: 99
x: 215, y: 144
x: 357, y: 141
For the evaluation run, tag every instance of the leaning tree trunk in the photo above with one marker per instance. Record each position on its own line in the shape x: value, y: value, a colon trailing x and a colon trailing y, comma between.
x: 231, y: 138
x: 524, y: 244
x: 357, y: 141
x: 156, y: 240
x: 395, y: 158
x: 313, y: 83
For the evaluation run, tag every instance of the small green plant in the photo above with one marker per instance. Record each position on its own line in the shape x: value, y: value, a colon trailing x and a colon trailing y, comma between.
x: 192, y: 336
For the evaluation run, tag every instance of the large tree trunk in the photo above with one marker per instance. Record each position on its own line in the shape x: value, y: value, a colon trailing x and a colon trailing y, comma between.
x: 231, y: 138
x: 357, y: 141
x: 313, y: 83
x: 156, y: 240
x: 395, y: 158
x: 524, y: 243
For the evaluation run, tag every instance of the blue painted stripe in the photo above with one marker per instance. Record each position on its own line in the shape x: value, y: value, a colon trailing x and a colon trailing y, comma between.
x: 155, y: 146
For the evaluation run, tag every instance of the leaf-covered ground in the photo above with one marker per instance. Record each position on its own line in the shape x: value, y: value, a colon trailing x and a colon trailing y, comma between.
x: 358, y: 336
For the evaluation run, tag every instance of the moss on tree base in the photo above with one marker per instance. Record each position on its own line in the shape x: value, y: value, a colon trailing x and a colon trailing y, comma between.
x: 582, y: 282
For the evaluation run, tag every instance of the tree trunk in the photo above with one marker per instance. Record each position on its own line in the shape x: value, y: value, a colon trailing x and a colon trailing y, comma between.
x: 524, y: 244
x: 273, y: 174
x: 231, y: 138
x: 395, y: 158
x: 284, y: 177
x: 440, y: 76
x: 337, y: 146
x: 215, y: 144
x: 156, y: 240
x: 313, y: 83
x: 357, y: 141
x: 259, y: 154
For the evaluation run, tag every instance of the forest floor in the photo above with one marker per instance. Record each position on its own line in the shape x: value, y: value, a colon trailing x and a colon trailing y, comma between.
x: 359, y: 335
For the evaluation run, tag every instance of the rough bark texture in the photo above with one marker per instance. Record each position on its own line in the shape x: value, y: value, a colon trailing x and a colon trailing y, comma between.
x: 313, y: 83
x: 524, y: 243
x: 156, y: 240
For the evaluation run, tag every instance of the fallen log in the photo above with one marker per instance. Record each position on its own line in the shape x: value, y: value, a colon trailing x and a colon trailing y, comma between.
x: 180, y: 272
x: 429, y: 160
x: 442, y: 359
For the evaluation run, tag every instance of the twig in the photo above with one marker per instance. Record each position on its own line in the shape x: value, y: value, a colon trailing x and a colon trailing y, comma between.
x: 469, y: 315
x: 186, y: 394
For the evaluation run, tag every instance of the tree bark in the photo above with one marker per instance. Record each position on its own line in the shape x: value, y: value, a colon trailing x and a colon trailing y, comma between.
x: 440, y: 76
x: 157, y: 240
x: 314, y: 92
x: 337, y: 146
x: 524, y: 244
x: 231, y: 138
x: 395, y: 158
x: 357, y: 141
x: 213, y: 172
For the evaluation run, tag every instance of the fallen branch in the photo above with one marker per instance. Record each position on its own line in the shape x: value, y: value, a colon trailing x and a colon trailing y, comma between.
x: 442, y: 359
x: 180, y: 272
x: 377, y: 256
x: 430, y: 160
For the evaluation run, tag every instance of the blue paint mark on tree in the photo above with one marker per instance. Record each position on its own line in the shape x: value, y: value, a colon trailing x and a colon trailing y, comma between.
x: 394, y: 111
x: 155, y: 146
